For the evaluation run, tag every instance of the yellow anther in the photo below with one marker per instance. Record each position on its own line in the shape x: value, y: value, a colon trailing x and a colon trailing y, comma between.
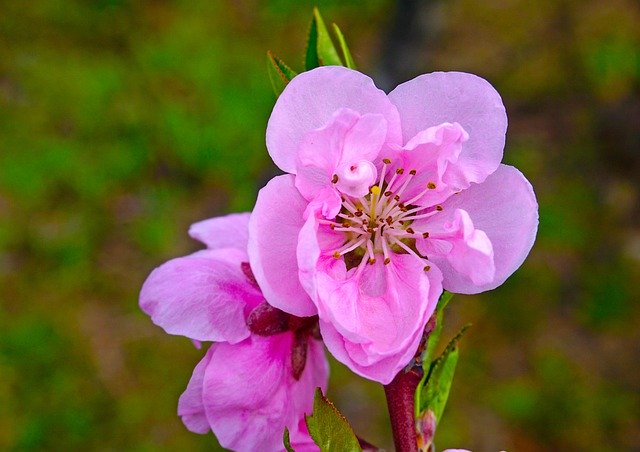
x: 431, y: 186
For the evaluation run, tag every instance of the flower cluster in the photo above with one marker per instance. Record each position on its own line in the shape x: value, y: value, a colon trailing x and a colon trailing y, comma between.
x: 387, y: 200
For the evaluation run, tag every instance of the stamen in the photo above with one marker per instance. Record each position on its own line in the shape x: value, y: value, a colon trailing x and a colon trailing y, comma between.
x: 385, y: 252
x: 431, y: 186
x: 349, y: 205
x: 334, y: 179
x: 417, y: 217
x: 348, y: 229
x: 350, y: 246
x: 384, y: 171
x: 406, y: 182
x: 405, y: 247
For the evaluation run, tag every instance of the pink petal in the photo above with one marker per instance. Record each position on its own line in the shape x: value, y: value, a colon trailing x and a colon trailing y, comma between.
x: 204, y: 296
x: 505, y: 208
x: 190, y: 405
x: 229, y: 231
x: 309, y: 102
x: 273, y: 237
x: 374, y: 322
x: 469, y: 250
x: 440, y: 97
x: 320, y: 153
x: 250, y: 394
x: 434, y: 155
x: 316, y: 243
x: 343, y: 150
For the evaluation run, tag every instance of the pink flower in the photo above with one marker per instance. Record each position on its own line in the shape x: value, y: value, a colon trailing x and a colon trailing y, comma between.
x: 260, y: 374
x: 389, y: 199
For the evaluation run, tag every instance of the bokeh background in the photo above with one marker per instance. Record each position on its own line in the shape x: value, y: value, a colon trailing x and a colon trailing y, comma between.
x: 122, y: 122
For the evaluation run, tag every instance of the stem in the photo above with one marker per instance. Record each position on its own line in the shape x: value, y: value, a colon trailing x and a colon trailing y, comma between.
x: 400, y: 399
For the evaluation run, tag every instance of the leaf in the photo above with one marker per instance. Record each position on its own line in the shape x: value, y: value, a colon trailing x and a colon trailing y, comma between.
x: 348, y: 59
x: 279, y: 73
x: 435, y: 386
x: 329, y: 429
x: 327, y: 53
x: 286, y: 441
x: 311, y: 55
x: 434, y: 336
x: 320, y: 48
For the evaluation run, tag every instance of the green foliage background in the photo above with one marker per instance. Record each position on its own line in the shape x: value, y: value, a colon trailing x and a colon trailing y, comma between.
x: 122, y: 122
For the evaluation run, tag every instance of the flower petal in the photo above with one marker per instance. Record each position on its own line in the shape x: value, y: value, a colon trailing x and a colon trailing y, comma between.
x: 374, y: 322
x: 250, y: 394
x: 504, y: 206
x: 468, y: 250
x: 273, y: 237
x: 433, y: 155
x: 439, y: 97
x: 204, y: 296
x: 309, y: 102
x: 229, y: 231
x: 190, y: 404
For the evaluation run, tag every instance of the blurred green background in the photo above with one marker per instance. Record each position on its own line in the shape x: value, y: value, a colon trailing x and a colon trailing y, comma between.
x: 122, y: 122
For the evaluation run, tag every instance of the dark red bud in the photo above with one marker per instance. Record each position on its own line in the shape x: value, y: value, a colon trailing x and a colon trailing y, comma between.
x: 246, y: 269
x: 265, y: 320
x: 299, y: 354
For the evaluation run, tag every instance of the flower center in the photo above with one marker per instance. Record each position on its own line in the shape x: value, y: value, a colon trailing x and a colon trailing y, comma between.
x: 380, y: 223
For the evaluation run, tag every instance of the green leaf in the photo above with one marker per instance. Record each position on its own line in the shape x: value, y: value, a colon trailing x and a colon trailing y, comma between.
x: 311, y: 55
x: 348, y: 59
x: 279, y: 73
x: 434, y: 336
x: 327, y: 53
x: 435, y: 386
x: 329, y: 429
x: 286, y: 441
x: 320, y: 48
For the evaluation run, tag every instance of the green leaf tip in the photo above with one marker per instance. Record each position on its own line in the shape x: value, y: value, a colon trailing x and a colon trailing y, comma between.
x: 328, y: 428
x: 321, y: 51
x: 287, y: 441
x: 279, y: 73
x: 346, y: 53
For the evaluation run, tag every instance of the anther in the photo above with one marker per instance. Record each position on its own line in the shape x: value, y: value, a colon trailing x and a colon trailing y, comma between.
x: 431, y: 186
x: 332, y: 226
x: 372, y: 260
x: 439, y: 208
x: 413, y: 172
x: 387, y: 193
x: 399, y: 171
x: 425, y: 235
x: 396, y: 197
x: 336, y: 255
x: 334, y: 179
x: 387, y: 261
x: 390, y: 220
x: 410, y: 231
x: 359, y: 213
x: 427, y: 268
x: 387, y: 161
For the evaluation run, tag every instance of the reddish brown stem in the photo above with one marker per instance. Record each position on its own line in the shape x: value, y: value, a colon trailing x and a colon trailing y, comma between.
x: 400, y: 396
